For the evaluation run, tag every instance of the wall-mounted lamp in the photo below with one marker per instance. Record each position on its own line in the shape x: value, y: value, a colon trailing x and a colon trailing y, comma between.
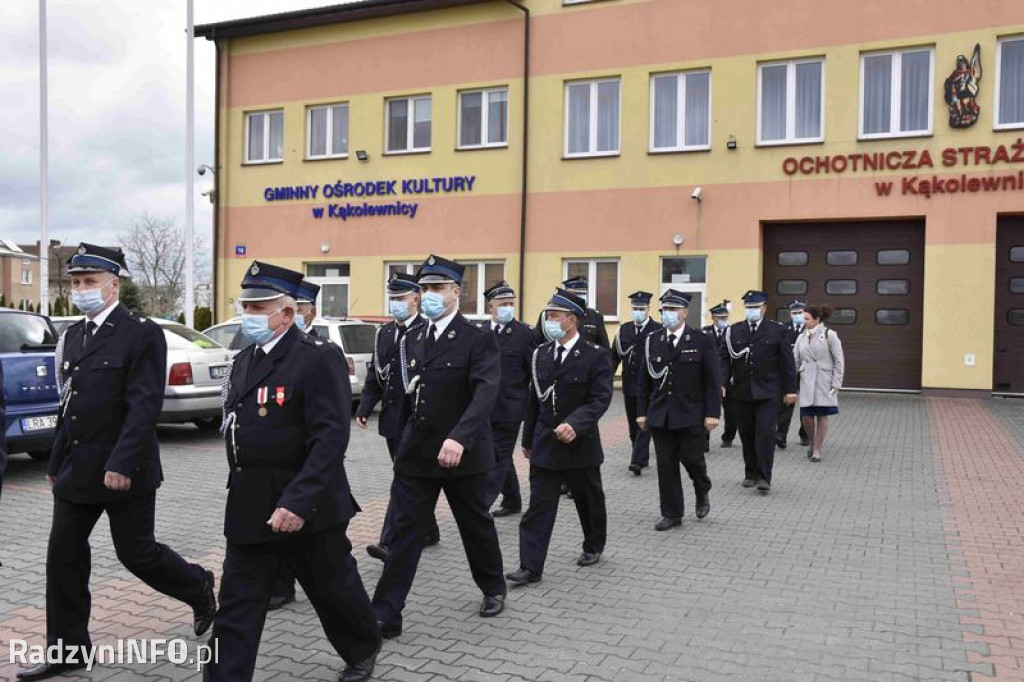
x: 730, y: 142
x: 203, y: 167
x: 324, y: 248
x: 698, y: 194
x: 362, y: 155
x: 677, y: 241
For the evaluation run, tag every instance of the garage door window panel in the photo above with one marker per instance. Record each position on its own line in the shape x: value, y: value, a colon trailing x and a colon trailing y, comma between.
x: 893, y: 287
x: 892, y: 316
x: 841, y: 258
x: 893, y: 257
x: 791, y: 287
x: 843, y: 316
x: 792, y: 258
x: 841, y: 287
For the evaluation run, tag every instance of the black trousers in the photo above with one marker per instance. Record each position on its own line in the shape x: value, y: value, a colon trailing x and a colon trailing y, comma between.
x: 387, y: 531
x: 325, y: 568
x: 69, y: 562
x: 502, y: 479
x: 673, y: 447
x: 640, y: 439
x: 413, y: 499
x: 785, y: 419
x: 758, y: 420
x: 729, y: 425
x: 539, y: 520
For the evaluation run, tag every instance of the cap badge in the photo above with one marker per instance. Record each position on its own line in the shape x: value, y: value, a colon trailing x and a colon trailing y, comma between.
x: 81, y: 250
x: 431, y: 261
x: 255, y: 269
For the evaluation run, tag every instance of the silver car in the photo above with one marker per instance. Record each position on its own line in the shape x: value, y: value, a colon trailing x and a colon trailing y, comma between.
x: 354, y: 336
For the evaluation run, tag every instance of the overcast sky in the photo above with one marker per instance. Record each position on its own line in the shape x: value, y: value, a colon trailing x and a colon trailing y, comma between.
x: 117, y: 112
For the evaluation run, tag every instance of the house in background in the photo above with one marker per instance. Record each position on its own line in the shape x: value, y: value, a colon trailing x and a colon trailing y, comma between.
x: 19, y: 275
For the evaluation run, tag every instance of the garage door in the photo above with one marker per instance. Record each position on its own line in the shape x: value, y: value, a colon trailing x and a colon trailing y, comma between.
x: 872, y: 273
x: 1008, y: 368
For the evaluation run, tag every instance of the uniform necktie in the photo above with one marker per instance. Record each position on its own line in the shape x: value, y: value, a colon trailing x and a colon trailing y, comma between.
x: 672, y: 340
x: 401, y: 332
x: 258, y: 355
x: 497, y: 330
x: 431, y: 336
x: 90, y: 329
x: 559, y: 353
x: 753, y: 327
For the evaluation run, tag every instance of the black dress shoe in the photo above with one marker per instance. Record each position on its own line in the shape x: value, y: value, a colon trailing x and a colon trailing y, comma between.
x: 588, y: 559
x: 781, y: 443
x: 378, y: 551
x: 667, y: 522
x: 389, y: 631
x: 279, y: 601
x: 359, y: 672
x: 432, y: 539
x: 504, y: 511
x: 703, y: 507
x: 523, y: 576
x: 804, y: 442
x: 764, y: 486
x: 48, y: 670
x: 726, y: 443
x: 202, y: 615
x: 492, y: 605
x: 563, y: 489
x: 635, y: 468
x: 749, y: 483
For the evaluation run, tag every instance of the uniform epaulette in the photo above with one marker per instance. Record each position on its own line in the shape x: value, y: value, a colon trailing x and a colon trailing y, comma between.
x: 596, y: 345
x: 138, y: 318
x: 777, y: 322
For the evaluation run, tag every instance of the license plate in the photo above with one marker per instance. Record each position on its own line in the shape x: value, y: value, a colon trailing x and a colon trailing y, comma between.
x: 218, y: 372
x: 39, y: 423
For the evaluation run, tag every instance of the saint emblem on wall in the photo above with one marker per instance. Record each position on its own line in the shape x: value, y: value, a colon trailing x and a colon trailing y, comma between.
x: 962, y: 90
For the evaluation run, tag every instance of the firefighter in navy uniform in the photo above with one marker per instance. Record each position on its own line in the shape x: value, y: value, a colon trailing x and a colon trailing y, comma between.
x: 629, y: 341
x: 111, y: 367
x: 592, y: 327
x: 287, y: 412
x: 794, y: 327
x: 680, y: 402
x: 719, y: 323
x: 451, y: 372
x: 516, y: 342
x: 571, y: 390
x: 384, y: 385
x: 760, y: 369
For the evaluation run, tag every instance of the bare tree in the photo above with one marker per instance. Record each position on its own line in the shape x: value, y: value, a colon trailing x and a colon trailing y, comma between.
x: 155, y: 251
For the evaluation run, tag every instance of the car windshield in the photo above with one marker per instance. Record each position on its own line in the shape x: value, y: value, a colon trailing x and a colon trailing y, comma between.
x: 17, y: 330
x: 357, y: 338
x: 180, y: 336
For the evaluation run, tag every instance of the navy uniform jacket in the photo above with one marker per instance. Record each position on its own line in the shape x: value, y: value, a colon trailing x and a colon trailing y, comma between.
x: 792, y: 334
x: 690, y: 389
x: 767, y: 370
x: 627, y: 350
x: 592, y: 329
x: 515, y: 343
x: 384, y: 381
x: 294, y: 456
x: 581, y: 395
x: 110, y: 409
x: 712, y: 331
x: 451, y: 395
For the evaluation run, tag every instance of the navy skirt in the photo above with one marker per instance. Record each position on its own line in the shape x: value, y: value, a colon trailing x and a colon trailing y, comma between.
x: 819, y: 411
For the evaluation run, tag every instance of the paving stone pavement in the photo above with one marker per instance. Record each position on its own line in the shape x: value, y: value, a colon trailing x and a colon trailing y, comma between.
x: 899, y: 557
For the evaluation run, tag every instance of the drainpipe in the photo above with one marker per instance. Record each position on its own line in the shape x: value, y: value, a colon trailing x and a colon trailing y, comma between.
x: 216, y: 188
x: 526, y: 146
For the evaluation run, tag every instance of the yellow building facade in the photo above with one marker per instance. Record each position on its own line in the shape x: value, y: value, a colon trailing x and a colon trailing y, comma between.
x: 861, y: 155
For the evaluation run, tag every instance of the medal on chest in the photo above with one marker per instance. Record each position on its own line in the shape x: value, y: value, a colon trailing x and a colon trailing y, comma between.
x: 262, y: 393
x: 279, y: 396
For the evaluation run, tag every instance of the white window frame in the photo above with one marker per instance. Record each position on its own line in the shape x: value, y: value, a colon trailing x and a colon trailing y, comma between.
x: 696, y: 317
x: 999, y: 84
x: 484, y: 118
x: 592, y: 282
x: 328, y: 279
x: 26, y: 276
x: 410, y: 124
x: 681, y: 78
x: 409, y: 269
x: 481, y: 269
x: 894, y: 95
x: 791, y: 138
x: 329, y: 108
x: 592, y: 143
x: 266, y: 136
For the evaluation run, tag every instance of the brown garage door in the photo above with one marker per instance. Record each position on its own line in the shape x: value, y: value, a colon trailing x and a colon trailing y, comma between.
x: 1008, y: 368
x: 872, y: 273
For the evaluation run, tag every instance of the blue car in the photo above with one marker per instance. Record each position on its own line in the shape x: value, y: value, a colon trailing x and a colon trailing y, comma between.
x: 27, y: 345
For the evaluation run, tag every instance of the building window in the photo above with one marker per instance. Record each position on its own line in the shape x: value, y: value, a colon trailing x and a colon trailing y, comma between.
x: 483, y: 118
x: 327, y: 132
x: 841, y: 258
x: 791, y: 97
x: 1010, y: 83
x: 681, y: 111
x: 409, y: 124
x: 603, y: 280
x: 333, y: 279
x: 26, y: 276
x: 689, y: 275
x: 478, y: 277
x: 896, y: 93
x: 592, y: 118
x: 264, y: 135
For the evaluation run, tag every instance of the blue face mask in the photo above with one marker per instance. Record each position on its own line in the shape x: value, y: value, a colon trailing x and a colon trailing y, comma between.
x: 798, y: 319
x: 506, y: 314
x: 553, y: 329
x: 721, y: 324
x: 753, y: 314
x: 433, y: 305
x: 399, y: 310
x: 256, y: 328
x: 670, y: 318
x: 300, y: 322
x: 639, y: 316
x: 89, y: 300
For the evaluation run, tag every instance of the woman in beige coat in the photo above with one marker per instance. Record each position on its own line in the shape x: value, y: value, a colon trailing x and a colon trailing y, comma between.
x: 820, y: 363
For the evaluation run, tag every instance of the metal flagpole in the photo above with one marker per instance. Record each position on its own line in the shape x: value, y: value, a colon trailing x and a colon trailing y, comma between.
x: 189, y: 171
x: 44, y: 171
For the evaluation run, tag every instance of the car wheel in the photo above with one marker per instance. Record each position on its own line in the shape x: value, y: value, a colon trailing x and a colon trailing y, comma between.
x: 207, y: 424
x: 40, y: 455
